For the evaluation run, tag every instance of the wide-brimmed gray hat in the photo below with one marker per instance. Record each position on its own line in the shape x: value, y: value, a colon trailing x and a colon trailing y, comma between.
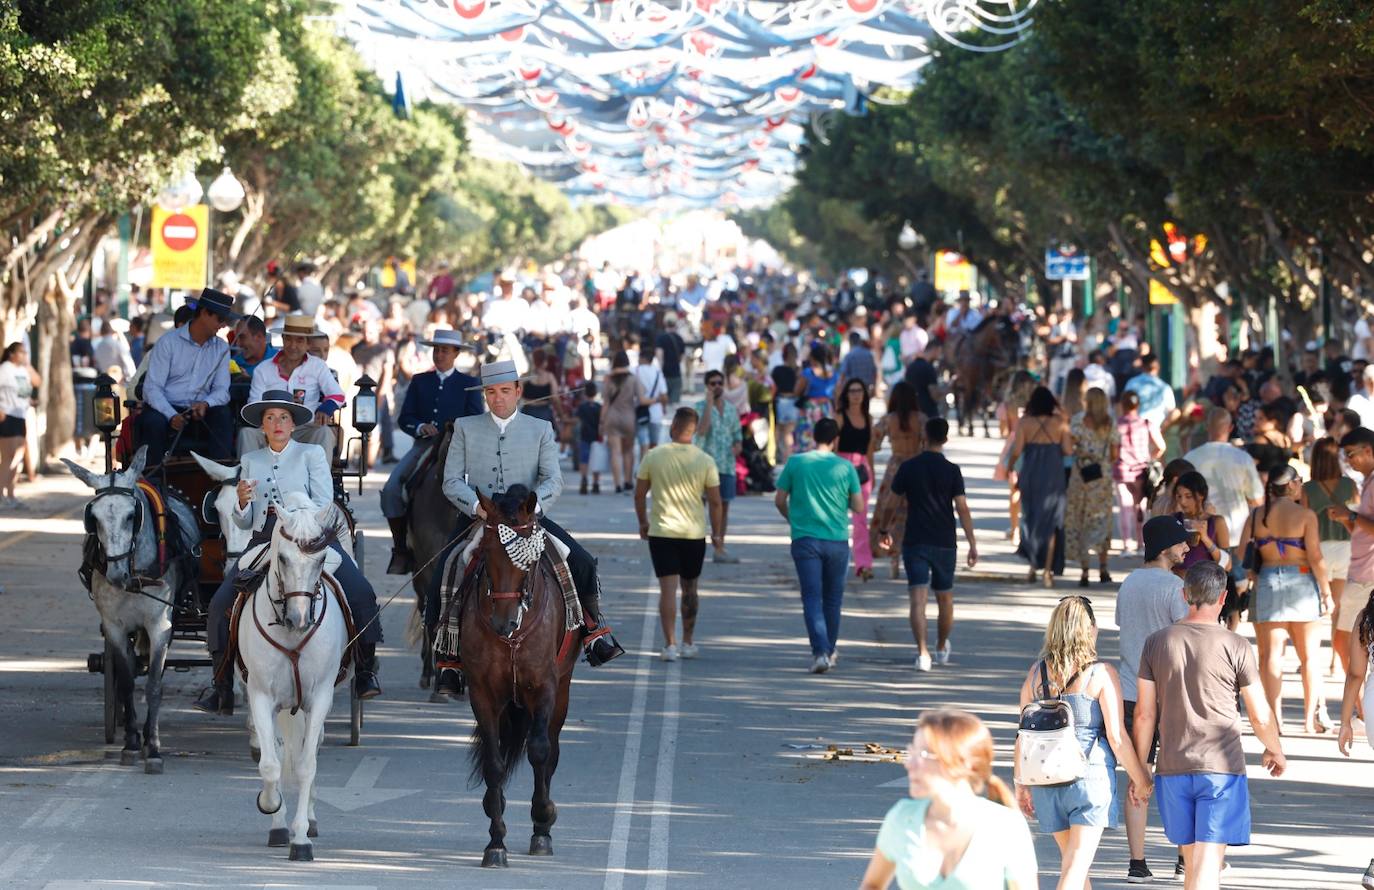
x: 499, y: 372
x: 275, y: 398
x: 447, y: 337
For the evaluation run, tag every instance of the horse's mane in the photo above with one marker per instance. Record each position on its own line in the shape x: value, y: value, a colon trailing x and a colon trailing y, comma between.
x: 298, y: 518
x: 510, y: 500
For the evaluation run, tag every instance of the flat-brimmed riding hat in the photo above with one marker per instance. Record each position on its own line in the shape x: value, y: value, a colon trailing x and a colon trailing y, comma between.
x: 217, y: 302
x: 275, y: 398
x: 300, y: 326
x: 499, y: 372
x: 446, y: 337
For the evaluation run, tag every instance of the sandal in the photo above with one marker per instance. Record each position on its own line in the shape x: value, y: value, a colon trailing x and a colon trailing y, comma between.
x: 1104, y: 576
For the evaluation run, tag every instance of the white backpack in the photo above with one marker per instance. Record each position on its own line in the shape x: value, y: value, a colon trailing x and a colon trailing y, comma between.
x: 1049, y: 753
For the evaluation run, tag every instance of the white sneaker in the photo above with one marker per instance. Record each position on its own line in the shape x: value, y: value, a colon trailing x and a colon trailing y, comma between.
x: 922, y: 662
x: 834, y: 658
x: 689, y: 650
x: 820, y: 664
x: 668, y: 653
x: 942, y: 653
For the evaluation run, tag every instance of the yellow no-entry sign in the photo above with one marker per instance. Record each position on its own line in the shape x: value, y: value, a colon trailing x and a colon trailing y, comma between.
x: 180, y: 244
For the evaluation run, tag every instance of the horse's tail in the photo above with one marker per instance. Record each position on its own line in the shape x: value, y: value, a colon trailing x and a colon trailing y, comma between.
x: 415, y: 628
x: 512, y: 731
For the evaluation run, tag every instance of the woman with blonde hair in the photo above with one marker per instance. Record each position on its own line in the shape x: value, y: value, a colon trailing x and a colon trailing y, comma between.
x: 1077, y: 813
x: 959, y: 827
x: 1088, y: 517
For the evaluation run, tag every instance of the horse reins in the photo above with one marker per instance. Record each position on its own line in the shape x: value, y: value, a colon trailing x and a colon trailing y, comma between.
x: 293, y: 654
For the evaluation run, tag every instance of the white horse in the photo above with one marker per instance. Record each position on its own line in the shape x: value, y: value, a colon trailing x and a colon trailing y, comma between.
x: 131, y: 593
x: 291, y: 638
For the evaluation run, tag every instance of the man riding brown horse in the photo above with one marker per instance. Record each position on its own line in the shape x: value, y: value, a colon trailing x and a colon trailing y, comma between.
x: 981, y: 360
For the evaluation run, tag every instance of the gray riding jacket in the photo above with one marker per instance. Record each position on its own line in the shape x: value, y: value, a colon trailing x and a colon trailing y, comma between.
x: 483, y: 458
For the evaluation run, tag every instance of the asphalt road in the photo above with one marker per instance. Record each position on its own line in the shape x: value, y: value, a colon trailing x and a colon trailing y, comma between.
x: 698, y: 774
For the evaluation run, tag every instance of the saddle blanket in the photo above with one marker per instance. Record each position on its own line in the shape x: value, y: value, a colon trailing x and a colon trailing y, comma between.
x: 460, y: 573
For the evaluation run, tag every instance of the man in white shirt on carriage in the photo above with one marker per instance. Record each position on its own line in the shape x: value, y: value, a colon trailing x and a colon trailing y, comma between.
x: 306, y: 377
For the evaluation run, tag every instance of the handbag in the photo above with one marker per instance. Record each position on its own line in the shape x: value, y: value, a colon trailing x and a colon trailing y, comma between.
x: 862, y: 470
x: 1251, y: 561
x: 599, y: 458
x: 642, y: 411
x: 1049, y: 752
x: 1090, y: 472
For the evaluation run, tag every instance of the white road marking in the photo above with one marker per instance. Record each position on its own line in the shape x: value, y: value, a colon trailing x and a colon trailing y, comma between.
x: 22, y: 861
x: 629, y: 767
x: 663, y: 781
x: 361, y: 788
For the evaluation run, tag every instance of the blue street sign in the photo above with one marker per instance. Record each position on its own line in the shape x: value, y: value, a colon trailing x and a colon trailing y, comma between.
x: 1065, y: 262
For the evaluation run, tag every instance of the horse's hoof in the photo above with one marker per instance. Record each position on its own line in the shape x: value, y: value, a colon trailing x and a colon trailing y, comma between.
x: 255, y: 753
x: 314, y: 830
x: 153, y: 766
x: 278, y: 837
x: 425, y: 682
x: 128, y: 757
x: 439, y: 698
x: 541, y: 845
x: 261, y: 809
x: 301, y: 853
x: 495, y: 858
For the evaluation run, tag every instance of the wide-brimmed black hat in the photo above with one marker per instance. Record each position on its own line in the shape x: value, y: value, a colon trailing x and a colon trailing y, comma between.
x: 275, y: 398
x: 217, y: 302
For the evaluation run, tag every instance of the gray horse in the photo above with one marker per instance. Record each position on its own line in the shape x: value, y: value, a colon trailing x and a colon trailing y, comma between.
x: 131, y: 591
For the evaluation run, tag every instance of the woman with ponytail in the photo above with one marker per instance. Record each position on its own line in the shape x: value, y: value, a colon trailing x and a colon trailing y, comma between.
x: 1077, y: 813
x: 960, y: 827
x: 1291, y: 592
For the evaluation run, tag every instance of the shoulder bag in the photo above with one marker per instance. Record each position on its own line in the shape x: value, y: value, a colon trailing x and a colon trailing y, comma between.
x: 1049, y: 752
x: 642, y: 411
x: 1251, y: 561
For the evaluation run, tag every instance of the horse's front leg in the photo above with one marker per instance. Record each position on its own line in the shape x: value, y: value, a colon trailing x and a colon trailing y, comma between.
x: 494, y: 801
x: 126, y: 674
x: 305, y: 741
x: 539, y: 749
x: 159, y: 639
x: 269, y: 798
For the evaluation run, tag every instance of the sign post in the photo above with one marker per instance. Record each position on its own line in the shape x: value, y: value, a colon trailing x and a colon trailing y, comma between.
x: 180, y: 243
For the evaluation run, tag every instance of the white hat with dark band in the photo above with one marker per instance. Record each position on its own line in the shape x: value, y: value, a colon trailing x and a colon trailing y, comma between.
x: 499, y: 372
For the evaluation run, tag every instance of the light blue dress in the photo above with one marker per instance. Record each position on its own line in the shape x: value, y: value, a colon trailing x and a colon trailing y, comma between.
x: 1000, y: 848
x: 1092, y: 800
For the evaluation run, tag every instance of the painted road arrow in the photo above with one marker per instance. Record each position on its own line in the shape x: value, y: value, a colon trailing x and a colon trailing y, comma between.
x: 361, y: 788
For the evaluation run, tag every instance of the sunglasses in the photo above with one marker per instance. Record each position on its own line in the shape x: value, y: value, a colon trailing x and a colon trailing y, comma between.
x: 715, y: 383
x: 1087, y: 604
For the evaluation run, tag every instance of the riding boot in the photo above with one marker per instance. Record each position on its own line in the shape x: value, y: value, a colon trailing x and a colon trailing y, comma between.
x: 365, y: 671
x: 218, y: 698
x: 402, y: 563
x: 599, y: 644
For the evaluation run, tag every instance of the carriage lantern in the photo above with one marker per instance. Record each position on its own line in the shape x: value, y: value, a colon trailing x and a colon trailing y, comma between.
x: 106, y: 409
x: 365, y: 405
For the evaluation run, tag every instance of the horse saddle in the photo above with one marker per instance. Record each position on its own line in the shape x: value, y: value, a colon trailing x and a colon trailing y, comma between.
x: 250, y: 578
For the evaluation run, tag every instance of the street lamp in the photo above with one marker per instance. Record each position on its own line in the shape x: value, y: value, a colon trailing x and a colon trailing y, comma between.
x: 909, y: 237
x: 364, y: 420
x: 226, y: 192
x: 106, y: 406
x: 181, y: 193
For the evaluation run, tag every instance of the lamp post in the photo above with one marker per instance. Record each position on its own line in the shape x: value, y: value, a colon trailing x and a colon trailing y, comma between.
x: 364, y: 420
x: 106, y: 406
x: 909, y: 239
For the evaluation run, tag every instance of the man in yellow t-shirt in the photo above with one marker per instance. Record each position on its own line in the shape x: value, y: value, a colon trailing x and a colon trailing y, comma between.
x: 679, y: 474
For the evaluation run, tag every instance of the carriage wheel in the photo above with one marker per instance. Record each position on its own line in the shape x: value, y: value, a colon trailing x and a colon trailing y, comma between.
x: 358, y: 550
x: 355, y: 714
x: 112, y: 707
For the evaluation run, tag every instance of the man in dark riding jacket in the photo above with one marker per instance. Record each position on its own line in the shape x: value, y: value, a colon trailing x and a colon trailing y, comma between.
x: 433, y: 399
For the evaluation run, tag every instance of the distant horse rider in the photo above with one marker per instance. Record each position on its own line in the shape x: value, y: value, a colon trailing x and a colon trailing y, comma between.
x: 495, y: 451
x: 266, y: 476
x: 433, y: 399
x: 188, y: 381
x: 306, y: 377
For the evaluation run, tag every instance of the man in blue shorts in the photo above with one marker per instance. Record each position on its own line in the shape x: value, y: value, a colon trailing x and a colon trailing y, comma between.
x: 934, y: 489
x: 1190, y: 675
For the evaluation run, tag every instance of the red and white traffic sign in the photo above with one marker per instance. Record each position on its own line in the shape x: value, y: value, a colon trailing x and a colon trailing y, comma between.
x: 179, y: 231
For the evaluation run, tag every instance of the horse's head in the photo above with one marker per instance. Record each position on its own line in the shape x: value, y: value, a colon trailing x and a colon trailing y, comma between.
x: 300, y: 542
x: 512, y: 543
x: 220, y: 503
x: 115, y: 515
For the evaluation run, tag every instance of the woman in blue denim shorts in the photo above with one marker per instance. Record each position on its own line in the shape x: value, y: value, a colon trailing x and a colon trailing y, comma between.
x: 1077, y: 813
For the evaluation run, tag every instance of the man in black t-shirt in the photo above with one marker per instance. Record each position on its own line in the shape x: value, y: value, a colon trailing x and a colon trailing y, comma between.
x: 921, y: 375
x: 934, y: 489
x: 670, y: 346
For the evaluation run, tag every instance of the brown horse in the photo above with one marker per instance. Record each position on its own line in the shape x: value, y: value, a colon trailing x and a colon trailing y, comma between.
x: 981, y: 360
x: 432, y: 518
x: 518, y: 657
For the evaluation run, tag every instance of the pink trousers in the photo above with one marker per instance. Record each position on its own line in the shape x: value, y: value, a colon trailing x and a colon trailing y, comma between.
x: 858, y: 522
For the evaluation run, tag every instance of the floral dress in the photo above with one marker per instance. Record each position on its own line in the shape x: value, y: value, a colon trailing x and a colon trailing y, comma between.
x: 1088, y: 521
x: 889, y: 511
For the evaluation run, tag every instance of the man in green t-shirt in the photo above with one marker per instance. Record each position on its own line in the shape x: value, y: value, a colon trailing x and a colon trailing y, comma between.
x: 816, y: 493
x: 679, y: 474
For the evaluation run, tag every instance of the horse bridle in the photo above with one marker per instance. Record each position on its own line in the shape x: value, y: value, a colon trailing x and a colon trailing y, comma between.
x: 524, y: 556
x: 293, y: 653
x: 89, y: 520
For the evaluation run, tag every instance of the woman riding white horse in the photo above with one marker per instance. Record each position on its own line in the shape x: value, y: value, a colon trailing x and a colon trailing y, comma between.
x: 266, y: 477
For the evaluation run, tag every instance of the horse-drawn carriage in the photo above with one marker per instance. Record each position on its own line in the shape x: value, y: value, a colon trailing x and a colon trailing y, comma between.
x: 187, y: 489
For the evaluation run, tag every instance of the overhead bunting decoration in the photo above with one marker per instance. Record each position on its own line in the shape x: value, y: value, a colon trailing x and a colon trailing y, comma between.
x: 696, y: 103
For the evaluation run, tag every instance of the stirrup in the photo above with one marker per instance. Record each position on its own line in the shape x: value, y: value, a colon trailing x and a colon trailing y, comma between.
x: 600, y: 646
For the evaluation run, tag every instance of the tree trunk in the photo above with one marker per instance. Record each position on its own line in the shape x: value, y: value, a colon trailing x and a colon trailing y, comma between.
x: 58, y: 403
